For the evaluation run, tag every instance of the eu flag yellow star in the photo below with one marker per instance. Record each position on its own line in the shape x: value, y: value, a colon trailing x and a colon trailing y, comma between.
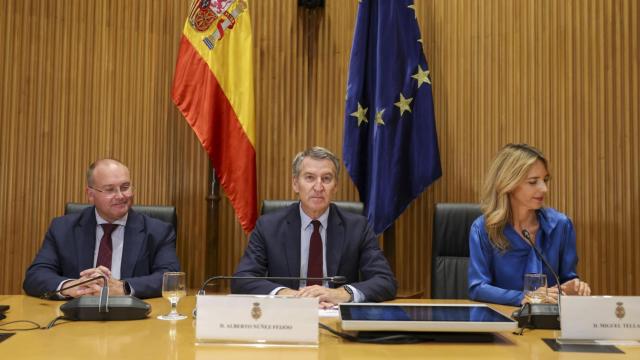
x: 422, y: 76
x: 403, y: 104
x: 360, y: 114
x: 379, y: 120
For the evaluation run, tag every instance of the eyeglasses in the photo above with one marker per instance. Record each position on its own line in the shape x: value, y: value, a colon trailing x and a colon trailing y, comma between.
x: 125, y: 189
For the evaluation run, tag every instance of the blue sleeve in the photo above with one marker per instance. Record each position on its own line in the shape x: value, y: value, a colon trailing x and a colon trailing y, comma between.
x: 377, y: 282
x: 146, y: 281
x: 568, y: 255
x: 255, y: 263
x: 46, y: 273
x: 481, y: 273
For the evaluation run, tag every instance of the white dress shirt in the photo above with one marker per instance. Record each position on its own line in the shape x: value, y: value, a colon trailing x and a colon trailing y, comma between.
x: 117, y: 242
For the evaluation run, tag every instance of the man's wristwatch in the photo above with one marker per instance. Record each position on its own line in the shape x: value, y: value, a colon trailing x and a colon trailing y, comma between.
x: 349, y: 291
x: 126, y: 288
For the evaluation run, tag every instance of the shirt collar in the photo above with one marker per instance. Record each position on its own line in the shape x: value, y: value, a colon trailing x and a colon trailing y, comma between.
x: 305, y: 219
x: 122, y: 221
x: 547, y: 220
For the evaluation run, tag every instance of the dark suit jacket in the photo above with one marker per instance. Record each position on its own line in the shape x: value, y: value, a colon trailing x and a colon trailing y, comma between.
x: 149, y: 250
x: 351, y: 250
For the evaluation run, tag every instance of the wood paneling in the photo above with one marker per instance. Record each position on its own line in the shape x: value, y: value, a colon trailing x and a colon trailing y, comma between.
x: 83, y: 80
x: 88, y: 79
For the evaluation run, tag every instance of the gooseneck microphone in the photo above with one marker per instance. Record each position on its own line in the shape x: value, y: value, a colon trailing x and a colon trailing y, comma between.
x: 50, y: 294
x: 540, y: 316
x: 333, y: 279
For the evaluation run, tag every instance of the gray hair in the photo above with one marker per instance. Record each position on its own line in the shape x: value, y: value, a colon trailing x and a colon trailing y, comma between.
x: 316, y: 153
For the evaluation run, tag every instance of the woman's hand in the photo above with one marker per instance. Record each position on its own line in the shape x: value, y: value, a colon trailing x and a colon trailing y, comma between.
x: 576, y: 287
x: 552, y: 295
x: 544, y: 295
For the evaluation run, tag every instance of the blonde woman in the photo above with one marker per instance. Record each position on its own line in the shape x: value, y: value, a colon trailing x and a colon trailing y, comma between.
x: 512, y: 201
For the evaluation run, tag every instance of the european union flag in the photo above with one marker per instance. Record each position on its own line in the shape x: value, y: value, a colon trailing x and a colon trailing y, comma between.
x: 390, y: 142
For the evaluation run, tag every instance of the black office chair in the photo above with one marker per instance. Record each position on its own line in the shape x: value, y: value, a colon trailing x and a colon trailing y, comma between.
x: 164, y: 213
x: 450, y: 258
x: 272, y: 205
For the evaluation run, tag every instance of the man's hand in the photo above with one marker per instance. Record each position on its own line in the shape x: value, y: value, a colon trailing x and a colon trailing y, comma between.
x: 287, y: 292
x: 326, y: 296
x: 91, y: 288
x: 116, y: 287
x: 86, y: 289
x: 576, y: 287
x: 95, y: 272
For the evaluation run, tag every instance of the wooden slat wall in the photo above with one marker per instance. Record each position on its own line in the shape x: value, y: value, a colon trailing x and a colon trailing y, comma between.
x: 87, y: 79
x: 83, y: 80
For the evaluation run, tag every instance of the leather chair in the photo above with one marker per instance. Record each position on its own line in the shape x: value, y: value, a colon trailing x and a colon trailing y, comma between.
x: 272, y: 205
x: 450, y: 257
x: 164, y: 213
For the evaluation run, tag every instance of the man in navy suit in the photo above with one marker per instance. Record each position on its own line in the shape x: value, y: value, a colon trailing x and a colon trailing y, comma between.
x: 282, y: 243
x: 140, y: 249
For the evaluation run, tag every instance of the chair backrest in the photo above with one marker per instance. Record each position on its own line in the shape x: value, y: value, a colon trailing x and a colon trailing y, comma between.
x: 164, y: 213
x: 272, y: 205
x: 450, y: 257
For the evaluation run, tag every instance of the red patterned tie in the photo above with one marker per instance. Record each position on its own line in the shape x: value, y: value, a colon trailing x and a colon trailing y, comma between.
x: 314, y: 268
x: 106, y: 247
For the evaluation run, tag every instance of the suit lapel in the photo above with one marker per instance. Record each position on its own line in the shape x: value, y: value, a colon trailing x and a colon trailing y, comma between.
x: 133, y: 241
x: 85, y: 237
x: 334, y: 241
x: 291, y: 243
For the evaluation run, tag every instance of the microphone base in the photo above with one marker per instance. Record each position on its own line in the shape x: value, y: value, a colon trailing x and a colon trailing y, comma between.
x: 538, y: 316
x: 86, y: 308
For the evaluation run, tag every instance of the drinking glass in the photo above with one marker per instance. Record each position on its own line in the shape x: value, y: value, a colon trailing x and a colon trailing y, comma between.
x: 173, y: 288
x: 535, y: 288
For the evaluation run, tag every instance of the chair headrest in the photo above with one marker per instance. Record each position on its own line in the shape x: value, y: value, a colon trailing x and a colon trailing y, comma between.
x: 160, y: 212
x: 272, y: 205
x: 451, y: 225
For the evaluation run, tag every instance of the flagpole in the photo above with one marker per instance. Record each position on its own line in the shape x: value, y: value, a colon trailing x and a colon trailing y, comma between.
x: 211, y: 248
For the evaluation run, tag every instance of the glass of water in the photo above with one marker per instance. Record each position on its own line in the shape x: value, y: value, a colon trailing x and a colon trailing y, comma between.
x: 535, y: 288
x: 173, y: 289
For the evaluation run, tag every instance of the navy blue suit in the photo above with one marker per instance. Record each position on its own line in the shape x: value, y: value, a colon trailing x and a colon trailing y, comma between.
x: 149, y: 250
x: 351, y: 250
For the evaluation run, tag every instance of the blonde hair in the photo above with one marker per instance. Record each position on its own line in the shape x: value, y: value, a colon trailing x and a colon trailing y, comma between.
x: 507, y: 171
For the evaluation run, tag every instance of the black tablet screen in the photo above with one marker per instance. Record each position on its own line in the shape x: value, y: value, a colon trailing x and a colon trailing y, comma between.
x: 421, y: 313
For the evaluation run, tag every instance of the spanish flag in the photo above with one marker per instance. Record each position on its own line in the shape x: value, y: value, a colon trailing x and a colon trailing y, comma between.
x: 213, y: 88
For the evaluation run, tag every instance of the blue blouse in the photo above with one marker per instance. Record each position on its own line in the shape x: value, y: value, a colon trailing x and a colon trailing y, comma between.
x: 498, y: 277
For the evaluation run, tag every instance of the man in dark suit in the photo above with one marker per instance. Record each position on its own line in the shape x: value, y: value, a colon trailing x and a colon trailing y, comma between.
x: 314, y: 238
x: 132, y: 250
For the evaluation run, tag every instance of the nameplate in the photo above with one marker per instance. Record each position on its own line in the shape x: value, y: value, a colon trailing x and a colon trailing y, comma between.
x: 600, y: 317
x: 246, y: 319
